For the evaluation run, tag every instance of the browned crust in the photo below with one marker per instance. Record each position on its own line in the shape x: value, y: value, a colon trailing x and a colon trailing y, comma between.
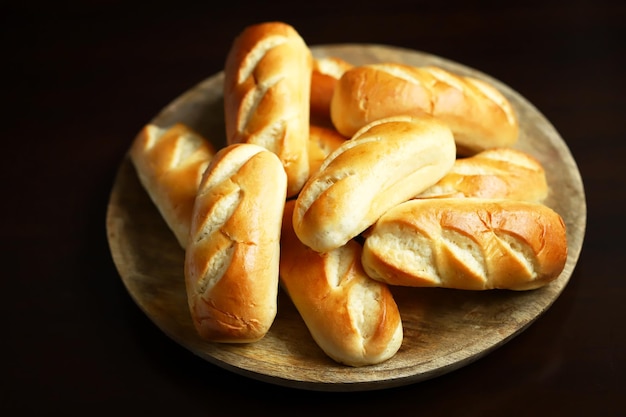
x: 478, y: 114
x: 322, y: 287
x: 472, y: 244
x: 267, y: 79
x: 231, y: 263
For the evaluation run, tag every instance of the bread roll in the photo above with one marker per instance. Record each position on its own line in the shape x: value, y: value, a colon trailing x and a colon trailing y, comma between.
x: 387, y: 162
x: 326, y: 73
x: 478, y: 114
x: 267, y: 84
x: 322, y: 142
x: 351, y: 317
x: 232, y: 260
x: 169, y: 162
x: 494, y: 173
x: 470, y: 244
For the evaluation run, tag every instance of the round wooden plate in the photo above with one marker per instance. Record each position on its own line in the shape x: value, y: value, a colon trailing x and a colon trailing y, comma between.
x: 443, y: 329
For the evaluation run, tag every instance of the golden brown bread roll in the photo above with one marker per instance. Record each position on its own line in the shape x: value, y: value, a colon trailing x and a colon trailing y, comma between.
x: 267, y: 84
x: 169, y: 162
x: 387, y: 162
x: 322, y: 142
x: 494, y: 173
x: 326, y: 73
x: 351, y: 317
x: 232, y: 259
x: 478, y: 114
x: 471, y: 244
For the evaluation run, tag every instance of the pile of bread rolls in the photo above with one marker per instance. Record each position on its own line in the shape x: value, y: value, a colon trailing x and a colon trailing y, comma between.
x: 338, y: 181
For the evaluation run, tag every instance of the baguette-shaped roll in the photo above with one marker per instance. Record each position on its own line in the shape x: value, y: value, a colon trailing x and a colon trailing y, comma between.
x: 232, y: 260
x: 389, y: 161
x: 322, y: 142
x: 326, y: 72
x: 169, y: 162
x: 467, y: 243
x: 478, y: 114
x: 494, y: 173
x: 267, y: 85
x: 351, y: 317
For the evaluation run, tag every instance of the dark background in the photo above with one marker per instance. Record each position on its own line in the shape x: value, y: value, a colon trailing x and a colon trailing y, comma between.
x: 81, y: 78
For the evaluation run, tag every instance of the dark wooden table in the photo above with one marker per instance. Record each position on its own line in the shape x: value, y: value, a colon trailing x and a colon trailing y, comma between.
x: 81, y: 78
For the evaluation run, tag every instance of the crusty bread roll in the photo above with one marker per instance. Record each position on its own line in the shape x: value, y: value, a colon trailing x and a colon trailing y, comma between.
x: 478, y: 114
x: 326, y: 72
x: 169, y: 162
x: 467, y: 243
x: 493, y: 173
x: 389, y: 161
x: 351, y: 317
x: 232, y: 259
x: 267, y: 84
x: 322, y: 142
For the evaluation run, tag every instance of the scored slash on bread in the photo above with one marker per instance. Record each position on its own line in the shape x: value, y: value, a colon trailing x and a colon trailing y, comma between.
x: 169, y: 162
x: 493, y: 173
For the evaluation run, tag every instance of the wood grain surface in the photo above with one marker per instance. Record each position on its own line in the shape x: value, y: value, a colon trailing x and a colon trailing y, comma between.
x: 443, y: 329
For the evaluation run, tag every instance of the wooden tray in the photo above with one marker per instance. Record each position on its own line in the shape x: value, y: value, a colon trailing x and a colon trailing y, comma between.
x: 443, y: 329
